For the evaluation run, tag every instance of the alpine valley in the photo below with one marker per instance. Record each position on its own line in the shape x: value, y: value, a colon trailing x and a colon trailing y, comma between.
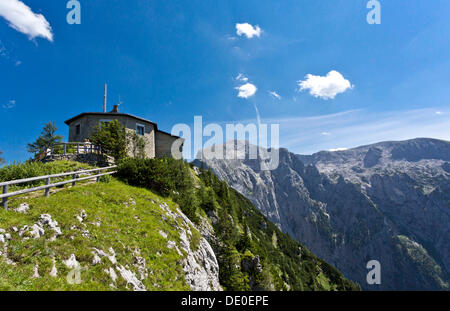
x: 388, y: 202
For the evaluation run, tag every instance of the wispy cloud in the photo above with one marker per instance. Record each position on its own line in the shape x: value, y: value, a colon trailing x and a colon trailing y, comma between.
x: 310, y: 134
x: 248, y: 30
x: 326, y: 87
x: 9, y: 105
x: 275, y: 94
x: 241, y: 77
x: 21, y: 18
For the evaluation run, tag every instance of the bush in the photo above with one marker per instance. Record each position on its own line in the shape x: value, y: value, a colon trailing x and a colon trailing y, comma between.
x: 111, y: 137
x: 35, y: 169
x: 21, y: 171
x: 166, y: 176
x: 105, y: 179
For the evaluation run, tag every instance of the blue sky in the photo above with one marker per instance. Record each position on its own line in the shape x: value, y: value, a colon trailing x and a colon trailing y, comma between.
x: 171, y: 60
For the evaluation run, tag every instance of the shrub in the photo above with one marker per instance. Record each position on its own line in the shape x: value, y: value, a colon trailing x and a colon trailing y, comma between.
x: 166, y: 176
x: 137, y: 144
x: 116, y: 141
x: 33, y: 169
x: 105, y: 179
x: 111, y: 137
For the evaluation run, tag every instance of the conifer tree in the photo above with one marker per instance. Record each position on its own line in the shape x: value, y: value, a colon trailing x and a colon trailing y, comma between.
x: 46, y: 140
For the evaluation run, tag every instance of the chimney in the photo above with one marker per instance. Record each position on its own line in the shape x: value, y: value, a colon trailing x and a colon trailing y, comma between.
x: 115, y: 109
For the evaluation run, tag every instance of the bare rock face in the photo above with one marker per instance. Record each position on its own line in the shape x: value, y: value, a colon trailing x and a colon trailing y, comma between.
x: 372, y: 157
x: 388, y: 202
x: 200, y: 266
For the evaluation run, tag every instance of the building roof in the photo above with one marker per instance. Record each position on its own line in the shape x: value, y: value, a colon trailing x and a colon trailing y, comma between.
x: 112, y: 114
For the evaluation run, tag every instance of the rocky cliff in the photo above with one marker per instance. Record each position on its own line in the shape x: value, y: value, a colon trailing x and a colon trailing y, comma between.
x: 388, y: 202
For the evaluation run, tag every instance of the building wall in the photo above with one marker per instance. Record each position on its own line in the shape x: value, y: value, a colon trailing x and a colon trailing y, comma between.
x: 88, y: 123
x: 164, y: 143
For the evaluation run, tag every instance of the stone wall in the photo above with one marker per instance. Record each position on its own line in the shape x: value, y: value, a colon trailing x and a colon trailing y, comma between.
x: 88, y: 122
x: 164, y: 143
x: 89, y: 158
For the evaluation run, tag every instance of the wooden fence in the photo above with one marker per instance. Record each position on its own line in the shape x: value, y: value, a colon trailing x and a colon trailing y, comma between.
x: 74, y: 148
x: 75, y: 177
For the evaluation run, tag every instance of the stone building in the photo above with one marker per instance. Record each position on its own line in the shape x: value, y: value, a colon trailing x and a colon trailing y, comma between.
x: 158, y: 143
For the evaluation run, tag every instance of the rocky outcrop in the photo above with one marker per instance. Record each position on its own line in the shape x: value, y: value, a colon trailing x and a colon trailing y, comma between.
x: 388, y: 202
x: 200, y: 264
x: 195, y: 255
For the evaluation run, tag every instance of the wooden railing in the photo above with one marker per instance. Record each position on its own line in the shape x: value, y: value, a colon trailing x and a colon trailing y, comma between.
x: 75, y: 175
x: 74, y: 148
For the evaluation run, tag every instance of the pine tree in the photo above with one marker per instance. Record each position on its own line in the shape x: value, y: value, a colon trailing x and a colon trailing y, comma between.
x: 1, y: 159
x: 47, y: 139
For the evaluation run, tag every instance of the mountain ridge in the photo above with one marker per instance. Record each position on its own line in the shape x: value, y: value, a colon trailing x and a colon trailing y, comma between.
x: 387, y: 201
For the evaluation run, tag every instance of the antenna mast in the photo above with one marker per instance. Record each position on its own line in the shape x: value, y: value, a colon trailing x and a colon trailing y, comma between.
x: 104, y: 99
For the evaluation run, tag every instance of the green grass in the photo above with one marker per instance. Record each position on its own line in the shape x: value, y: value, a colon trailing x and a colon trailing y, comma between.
x: 283, y: 262
x: 132, y: 219
x: 119, y: 229
x: 35, y: 169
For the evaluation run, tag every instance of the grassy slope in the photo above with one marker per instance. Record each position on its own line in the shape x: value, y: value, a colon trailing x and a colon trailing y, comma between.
x: 251, y: 251
x: 34, y: 169
x: 126, y: 227
x: 119, y: 229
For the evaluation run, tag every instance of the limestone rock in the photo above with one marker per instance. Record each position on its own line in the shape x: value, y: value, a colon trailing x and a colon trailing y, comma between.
x: 23, y: 208
x: 131, y: 278
x: 348, y: 207
x: 72, y: 262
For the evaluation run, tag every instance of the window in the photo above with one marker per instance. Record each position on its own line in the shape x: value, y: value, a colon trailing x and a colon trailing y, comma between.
x: 140, y: 129
x: 77, y: 129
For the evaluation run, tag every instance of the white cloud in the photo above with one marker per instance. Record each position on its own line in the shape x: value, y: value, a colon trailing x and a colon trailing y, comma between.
x: 325, y: 87
x: 275, y: 94
x: 247, y: 90
x: 21, y: 18
x: 438, y: 112
x: 325, y: 133
x: 241, y: 77
x: 248, y: 30
x: 10, y: 104
x: 338, y: 149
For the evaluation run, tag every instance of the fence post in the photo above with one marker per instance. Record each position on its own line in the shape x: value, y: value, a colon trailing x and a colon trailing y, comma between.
x: 74, y: 176
x: 78, y: 148
x: 47, y: 190
x: 98, y: 177
x: 5, y: 200
x: 65, y: 149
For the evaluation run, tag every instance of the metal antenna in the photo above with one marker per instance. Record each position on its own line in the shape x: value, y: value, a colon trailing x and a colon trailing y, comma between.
x: 104, y: 99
